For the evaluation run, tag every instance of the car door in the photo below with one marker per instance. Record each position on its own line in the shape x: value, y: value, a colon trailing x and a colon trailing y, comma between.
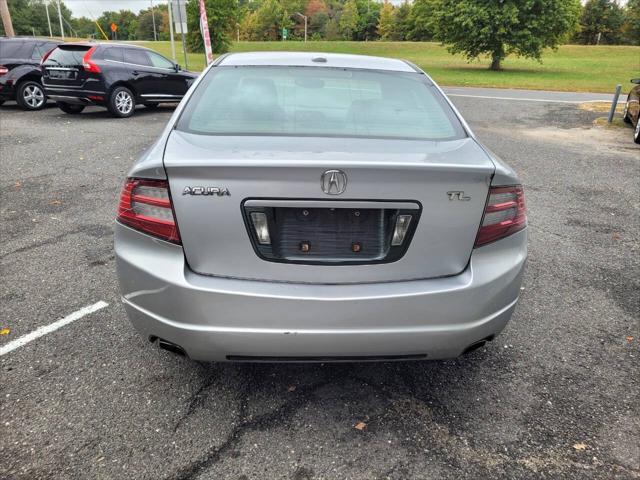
x: 144, y: 77
x: 173, y: 85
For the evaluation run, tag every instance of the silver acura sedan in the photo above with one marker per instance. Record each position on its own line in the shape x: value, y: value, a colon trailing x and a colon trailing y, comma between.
x: 319, y: 207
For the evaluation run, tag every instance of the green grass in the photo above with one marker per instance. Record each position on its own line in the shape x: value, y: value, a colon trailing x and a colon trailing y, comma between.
x: 576, y: 68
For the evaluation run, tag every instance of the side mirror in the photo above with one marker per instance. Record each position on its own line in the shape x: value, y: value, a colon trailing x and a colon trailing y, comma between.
x: 177, y: 67
x: 635, y: 80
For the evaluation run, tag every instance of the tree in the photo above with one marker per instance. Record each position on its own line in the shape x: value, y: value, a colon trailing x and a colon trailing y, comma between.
x: 314, y: 7
x: 402, y: 22
x: 523, y: 28
x: 601, y: 22
x: 127, y: 23
x: 386, y: 23
x: 85, y: 28
x: 369, y: 15
x: 145, y: 25
x: 420, y: 20
x: 332, y: 30
x: 29, y: 17
x: 349, y: 19
x: 318, y: 24
x: 221, y: 17
x: 631, y: 27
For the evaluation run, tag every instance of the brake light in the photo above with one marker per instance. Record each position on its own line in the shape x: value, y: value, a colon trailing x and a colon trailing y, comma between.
x: 88, y: 65
x: 145, y: 205
x: 3, y: 70
x: 504, y: 215
x: 46, y: 55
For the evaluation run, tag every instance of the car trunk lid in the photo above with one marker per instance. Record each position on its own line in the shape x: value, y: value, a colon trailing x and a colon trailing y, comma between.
x: 64, y: 67
x: 442, y: 186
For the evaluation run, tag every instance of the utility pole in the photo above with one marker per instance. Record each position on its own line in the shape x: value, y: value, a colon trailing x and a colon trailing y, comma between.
x: 46, y: 7
x: 60, y: 18
x: 184, y: 43
x: 173, y: 44
x: 305, y: 25
x: 153, y: 18
x: 6, y: 18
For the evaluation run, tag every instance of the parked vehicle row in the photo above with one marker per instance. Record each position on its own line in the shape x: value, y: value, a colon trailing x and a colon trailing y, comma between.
x: 74, y: 75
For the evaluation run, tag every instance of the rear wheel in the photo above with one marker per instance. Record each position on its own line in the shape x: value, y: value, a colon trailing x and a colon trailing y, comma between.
x: 121, y: 102
x: 70, y: 108
x: 31, y: 95
x: 636, y: 134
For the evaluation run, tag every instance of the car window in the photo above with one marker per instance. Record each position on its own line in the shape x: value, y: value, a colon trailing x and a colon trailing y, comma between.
x: 38, y: 52
x: 137, y: 57
x: 159, y: 61
x: 319, y: 101
x: 67, y: 55
x: 114, y: 54
x: 15, y: 49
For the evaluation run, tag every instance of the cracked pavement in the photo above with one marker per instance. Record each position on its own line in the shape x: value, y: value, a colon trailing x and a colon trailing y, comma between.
x: 555, y: 396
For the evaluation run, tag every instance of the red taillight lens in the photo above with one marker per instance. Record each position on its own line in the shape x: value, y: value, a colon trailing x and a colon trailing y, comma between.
x: 3, y: 70
x: 88, y: 65
x: 504, y: 214
x: 145, y: 205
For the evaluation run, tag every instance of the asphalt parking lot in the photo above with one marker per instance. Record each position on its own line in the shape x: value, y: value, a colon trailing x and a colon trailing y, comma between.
x: 555, y: 396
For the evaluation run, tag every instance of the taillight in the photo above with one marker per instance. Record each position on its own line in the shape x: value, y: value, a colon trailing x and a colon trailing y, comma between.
x: 145, y: 205
x: 3, y: 70
x: 46, y: 55
x: 504, y: 214
x: 88, y: 65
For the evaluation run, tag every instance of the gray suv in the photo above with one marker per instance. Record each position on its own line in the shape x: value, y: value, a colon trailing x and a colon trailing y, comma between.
x: 319, y: 207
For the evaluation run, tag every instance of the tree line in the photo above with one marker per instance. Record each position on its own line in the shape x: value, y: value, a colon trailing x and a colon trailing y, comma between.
x: 471, y: 27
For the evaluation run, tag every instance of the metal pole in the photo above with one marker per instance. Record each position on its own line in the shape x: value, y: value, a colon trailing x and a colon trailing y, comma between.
x: 46, y: 7
x: 173, y: 43
x: 184, y: 43
x: 305, y: 24
x: 60, y: 18
x: 6, y: 19
x: 153, y: 18
x: 614, y: 104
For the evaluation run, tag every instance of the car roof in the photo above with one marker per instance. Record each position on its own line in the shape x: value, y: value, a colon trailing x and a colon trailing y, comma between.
x: 316, y: 59
x: 104, y: 44
x: 30, y: 39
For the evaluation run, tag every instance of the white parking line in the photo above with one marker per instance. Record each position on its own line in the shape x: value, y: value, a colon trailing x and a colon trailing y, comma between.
x: 19, y: 342
x: 523, y: 99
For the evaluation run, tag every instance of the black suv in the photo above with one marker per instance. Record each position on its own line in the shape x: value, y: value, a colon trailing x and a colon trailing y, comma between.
x: 114, y: 76
x: 20, y: 75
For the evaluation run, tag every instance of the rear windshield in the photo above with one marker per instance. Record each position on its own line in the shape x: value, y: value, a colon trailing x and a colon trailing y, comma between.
x: 69, y: 56
x: 319, y: 101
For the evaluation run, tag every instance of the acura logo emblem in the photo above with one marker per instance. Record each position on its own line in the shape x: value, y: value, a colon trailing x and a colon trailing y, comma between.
x: 333, y: 182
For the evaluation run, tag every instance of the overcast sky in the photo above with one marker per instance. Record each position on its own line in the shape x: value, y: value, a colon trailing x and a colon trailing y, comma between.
x: 81, y: 8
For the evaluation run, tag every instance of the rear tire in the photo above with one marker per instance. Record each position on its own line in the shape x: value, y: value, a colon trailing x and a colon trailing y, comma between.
x: 121, y: 102
x: 636, y: 133
x: 70, y: 108
x: 151, y: 105
x: 30, y: 96
x: 625, y: 114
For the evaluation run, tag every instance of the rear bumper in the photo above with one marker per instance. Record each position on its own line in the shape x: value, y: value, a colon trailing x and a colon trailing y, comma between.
x: 75, y: 96
x: 220, y: 319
